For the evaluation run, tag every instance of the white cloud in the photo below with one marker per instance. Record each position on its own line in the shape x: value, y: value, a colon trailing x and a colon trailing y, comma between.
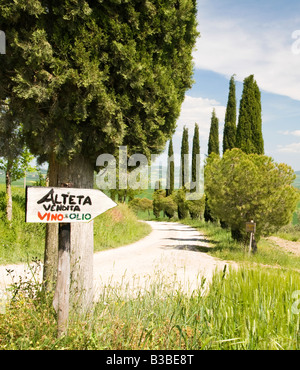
x: 229, y: 46
x: 199, y: 110
x: 289, y: 148
x: 293, y: 133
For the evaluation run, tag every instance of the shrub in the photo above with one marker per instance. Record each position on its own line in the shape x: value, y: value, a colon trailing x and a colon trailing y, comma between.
x: 182, y: 204
x: 196, y: 208
x: 169, y: 206
x: 243, y: 187
x: 158, y: 195
x: 141, y: 204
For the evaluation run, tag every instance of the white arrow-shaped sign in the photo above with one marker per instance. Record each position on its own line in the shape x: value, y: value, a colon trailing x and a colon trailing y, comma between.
x: 53, y: 204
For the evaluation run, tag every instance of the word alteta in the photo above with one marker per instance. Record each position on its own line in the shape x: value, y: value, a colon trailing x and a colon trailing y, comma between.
x: 64, y: 202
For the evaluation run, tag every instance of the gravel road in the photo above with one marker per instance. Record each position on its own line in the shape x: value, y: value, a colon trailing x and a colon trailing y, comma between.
x: 172, y: 254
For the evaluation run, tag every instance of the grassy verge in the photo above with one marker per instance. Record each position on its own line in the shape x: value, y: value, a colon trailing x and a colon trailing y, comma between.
x: 227, y: 249
x: 119, y: 226
x: 290, y: 232
x: 249, y: 308
x: 21, y: 242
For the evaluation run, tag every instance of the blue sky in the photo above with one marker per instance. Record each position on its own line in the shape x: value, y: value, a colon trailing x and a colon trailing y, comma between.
x: 243, y: 38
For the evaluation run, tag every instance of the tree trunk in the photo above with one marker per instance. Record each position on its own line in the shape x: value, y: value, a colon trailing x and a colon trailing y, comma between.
x: 51, y: 238
x: 8, y: 192
x: 78, y: 173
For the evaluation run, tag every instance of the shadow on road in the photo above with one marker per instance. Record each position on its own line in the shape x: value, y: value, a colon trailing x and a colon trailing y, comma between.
x: 199, y: 240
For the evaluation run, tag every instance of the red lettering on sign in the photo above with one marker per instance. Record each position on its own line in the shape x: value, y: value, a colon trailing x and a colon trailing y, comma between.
x: 51, y: 217
x: 57, y: 217
x: 42, y: 217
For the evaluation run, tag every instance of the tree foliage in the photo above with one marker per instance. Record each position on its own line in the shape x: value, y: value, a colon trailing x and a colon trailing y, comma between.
x: 15, y: 157
x: 229, y: 137
x: 249, y: 136
x: 168, y: 206
x: 158, y: 195
x: 196, y: 208
x: 195, y: 152
x: 213, y: 147
x: 184, y: 159
x: 213, y: 141
x: 182, y: 204
x: 170, y: 170
x: 243, y: 187
x: 141, y: 204
x: 86, y: 77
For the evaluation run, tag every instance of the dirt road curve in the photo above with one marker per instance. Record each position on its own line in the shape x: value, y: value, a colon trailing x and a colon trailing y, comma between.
x: 293, y: 247
x: 169, y: 254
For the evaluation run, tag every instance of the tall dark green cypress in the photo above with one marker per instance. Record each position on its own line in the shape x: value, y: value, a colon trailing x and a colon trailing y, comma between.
x: 195, y: 152
x: 184, y: 162
x: 170, y: 170
x: 213, y: 147
x: 249, y: 130
x: 257, y: 136
x: 213, y: 141
x: 229, y: 137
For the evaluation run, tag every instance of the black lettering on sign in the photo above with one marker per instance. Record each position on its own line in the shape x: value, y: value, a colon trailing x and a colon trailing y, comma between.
x: 87, y: 201
x: 79, y: 198
x: 61, y: 203
x: 71, y: 199
x: 47, y: 198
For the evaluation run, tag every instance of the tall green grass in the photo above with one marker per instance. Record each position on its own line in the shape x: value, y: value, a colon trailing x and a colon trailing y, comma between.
x: 19, y: 241
x: 252, y: 309
x: 248, y: 308
x: 119, y: 226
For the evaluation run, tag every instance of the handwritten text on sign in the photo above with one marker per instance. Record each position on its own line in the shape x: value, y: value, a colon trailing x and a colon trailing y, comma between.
x: 65, y: 204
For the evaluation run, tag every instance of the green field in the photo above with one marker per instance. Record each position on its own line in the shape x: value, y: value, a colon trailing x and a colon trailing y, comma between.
x: 297, y: 181
x: 31, y: 179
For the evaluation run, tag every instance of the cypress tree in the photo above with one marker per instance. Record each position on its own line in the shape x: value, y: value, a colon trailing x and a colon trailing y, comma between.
x: 257, y: 136
x: 85, y: 77
x: 249, y: 130
x: 229, y: 137
x: 213, y: 147
x: 213, y: 142
x: 184, y: 162
x: 170, y: 170
x: 195, y: 152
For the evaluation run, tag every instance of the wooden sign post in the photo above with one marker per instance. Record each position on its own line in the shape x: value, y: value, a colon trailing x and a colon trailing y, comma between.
x: 251, y: 228
x: 62, y: 291
x: 64, y: 206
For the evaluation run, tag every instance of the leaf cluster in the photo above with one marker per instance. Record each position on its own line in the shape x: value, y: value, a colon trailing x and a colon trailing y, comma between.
x: 85, y: 77
x: 243, y: 187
